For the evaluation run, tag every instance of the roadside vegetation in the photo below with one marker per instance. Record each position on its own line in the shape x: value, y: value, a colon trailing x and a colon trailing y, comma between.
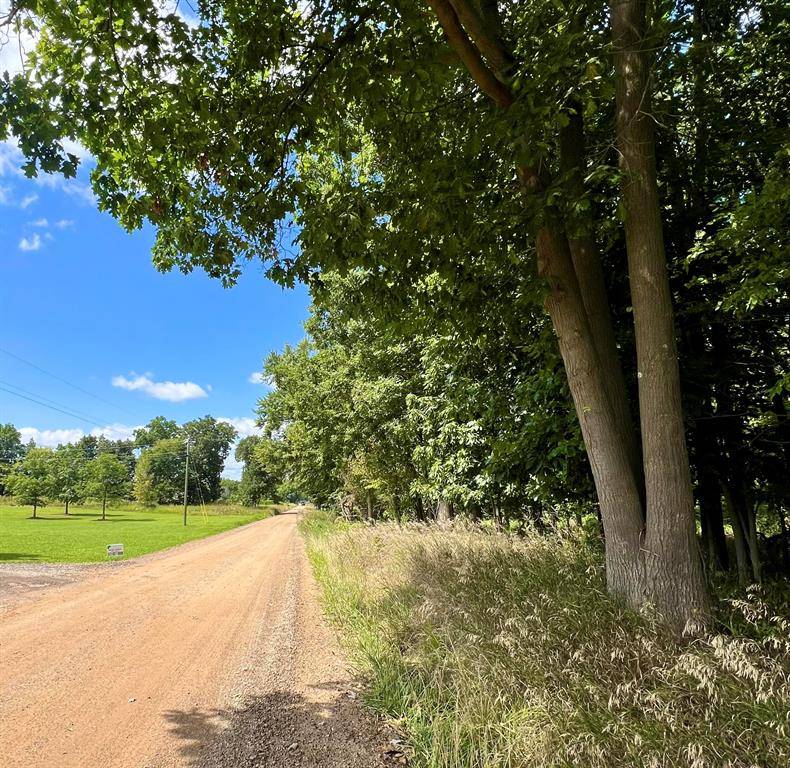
x: 83, y: 535
x: 486, y: 649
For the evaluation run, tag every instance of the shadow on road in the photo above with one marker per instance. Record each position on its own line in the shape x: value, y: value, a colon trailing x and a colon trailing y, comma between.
x: 281, y: 730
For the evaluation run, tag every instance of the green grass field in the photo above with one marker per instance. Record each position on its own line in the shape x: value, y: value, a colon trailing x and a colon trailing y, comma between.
x: 83, y: 538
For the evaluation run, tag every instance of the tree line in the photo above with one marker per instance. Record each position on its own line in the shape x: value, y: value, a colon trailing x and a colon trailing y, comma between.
x: 527, y: 210
x: 150, y: 468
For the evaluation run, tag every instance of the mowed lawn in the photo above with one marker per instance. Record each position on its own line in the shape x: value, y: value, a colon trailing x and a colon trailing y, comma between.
x: 82, y: 537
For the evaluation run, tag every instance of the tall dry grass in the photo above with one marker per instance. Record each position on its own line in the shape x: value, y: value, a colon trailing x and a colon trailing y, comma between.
x: 489, y: 650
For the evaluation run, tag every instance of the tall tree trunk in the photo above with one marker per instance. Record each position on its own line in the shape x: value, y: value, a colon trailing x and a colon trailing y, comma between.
x: 780, y: 513
x: 419, y: 507
x: 618, y: 493
x: 34, y: 511
x: 618, y: 490
x: 744, y: 524
x: 712, y: 517
x: 735, y: 458
x: 104, y: 505
x: 442, y: 512
x: 369, y: 499
x: 673, y: 572
x: 67, y: 507
x: 589, y: 273
x: 783, y: 435
x: 739, y: 536
x: 708, y: 461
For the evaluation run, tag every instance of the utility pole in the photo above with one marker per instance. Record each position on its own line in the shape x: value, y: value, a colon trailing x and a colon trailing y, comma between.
x: 186, y: 482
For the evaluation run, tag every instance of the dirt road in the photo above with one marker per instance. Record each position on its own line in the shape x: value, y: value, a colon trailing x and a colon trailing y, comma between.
x: 212, y: 654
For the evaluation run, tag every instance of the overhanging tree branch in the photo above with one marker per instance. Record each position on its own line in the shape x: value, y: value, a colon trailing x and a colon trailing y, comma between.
x: 487, y: 41
x: 470, y: 56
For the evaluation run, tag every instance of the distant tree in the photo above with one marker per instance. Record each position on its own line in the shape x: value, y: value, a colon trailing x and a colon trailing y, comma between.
x: 11, y: 450
x: 159, y: 428
x: 257, y: 482
x: 31, y: 479
x: 106, y: 478
x: 230, y: 489
x: 159, y: 477
x: 68, y: 468
x: 209, y: 445
x: 89, y: 445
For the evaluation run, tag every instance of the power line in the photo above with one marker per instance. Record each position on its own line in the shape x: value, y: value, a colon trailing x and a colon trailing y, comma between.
x: 118, y: 450
x: 51, y: 407
x: 47, y: 399
x: 65, y: 381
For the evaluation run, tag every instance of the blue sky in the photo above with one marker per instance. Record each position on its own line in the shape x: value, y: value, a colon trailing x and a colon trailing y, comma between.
x: 80, y: 298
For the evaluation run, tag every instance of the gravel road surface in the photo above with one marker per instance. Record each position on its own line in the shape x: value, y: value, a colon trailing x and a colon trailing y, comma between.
x: 213, y: 654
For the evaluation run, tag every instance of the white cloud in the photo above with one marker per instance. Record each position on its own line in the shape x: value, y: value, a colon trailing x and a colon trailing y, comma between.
x: 50, y: 437
x: 257, y: 377
x: 115, y: 431
x: 5, y: 195
x: 244, y: 425
x: 172, y: 391
x: 232, y: 468
x: 64, y: 223
x: 55, y: 437
x: 32, y: 244
x: 11, y: 160
x: 27, y: 201
x: 75, y: 148
x: 39, y: 223
x: 72, y: 187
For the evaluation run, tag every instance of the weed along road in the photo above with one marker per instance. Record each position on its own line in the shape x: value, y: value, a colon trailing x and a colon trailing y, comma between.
x: 210, y: 654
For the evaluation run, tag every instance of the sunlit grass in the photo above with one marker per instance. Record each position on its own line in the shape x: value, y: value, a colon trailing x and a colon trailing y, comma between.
x: 82, y: 537
x: 488, y: 650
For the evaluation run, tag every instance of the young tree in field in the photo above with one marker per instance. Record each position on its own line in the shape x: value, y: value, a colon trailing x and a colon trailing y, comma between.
x: 31, y: 480
x: 68, y: 467
x: 11, y: 450
x: 106, y: 478
x: 123, y: 450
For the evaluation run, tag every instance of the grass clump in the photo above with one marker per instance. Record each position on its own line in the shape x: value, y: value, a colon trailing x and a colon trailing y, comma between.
x: 490, y: 650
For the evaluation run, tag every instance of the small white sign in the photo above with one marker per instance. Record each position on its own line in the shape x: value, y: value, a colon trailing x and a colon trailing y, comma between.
x: 114, y: 550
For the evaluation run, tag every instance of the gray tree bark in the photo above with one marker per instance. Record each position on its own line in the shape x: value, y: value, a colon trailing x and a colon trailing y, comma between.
x: 674, y: 581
